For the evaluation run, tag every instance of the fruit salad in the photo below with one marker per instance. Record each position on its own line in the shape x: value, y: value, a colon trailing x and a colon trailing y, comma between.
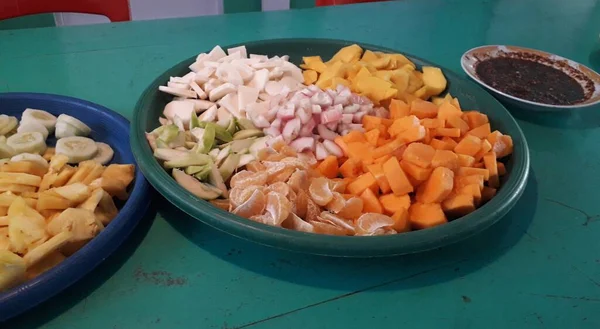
x: 53, y: 200
x: 362, y: 144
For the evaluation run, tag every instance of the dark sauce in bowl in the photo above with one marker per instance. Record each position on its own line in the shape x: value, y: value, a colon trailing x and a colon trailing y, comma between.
x: 530, y: 80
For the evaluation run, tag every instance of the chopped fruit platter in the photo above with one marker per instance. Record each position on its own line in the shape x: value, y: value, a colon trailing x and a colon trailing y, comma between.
x: 360, y: 144
x: 53, y: 200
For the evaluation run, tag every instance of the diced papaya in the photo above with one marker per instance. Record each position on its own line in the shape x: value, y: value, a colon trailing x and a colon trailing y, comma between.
x: 458, y: 205
x: 392, y: 203
x: 399, y: 152
x: 310, y: 77
x: 339, y: 140
x: 479, y: 165
x: 465, y: 160
x: 388, y: 148
x: 396, y: 177
x: 440, y: 145
x: 329, y: 167
x: 501, y: 169
x: 437, y: 187
x: 447, y: 110
x: 382, y: 159
x: 450, y: 141
x: 423, y: 109
x: 462, y: 181
x: 401, y: 220
x: 486, y: 147
x: 341, y: 160
x: 468, y: 171
x: 358, y: 149
x: 475, y: 119
x: 419, y: 154
x: 493, y: 136
x: 471, y: 189
x: 423, y: 216
x: 372, y: 136
x: 482, y: 131
x: 469, y: 145
x: 382, y: 141
x: 432, y: 123
x: 492, y: 165
x: 376, y: 169
x: 413, y: 134
x: 503, y: 146
x: 456, y: 103
x: 371, y: 122
x: 398, y: 109
x: 361, y: 183
x: 449, y: 132
x: 354, y: 136
x: 351, y: 168
x: 370, y: 202
x: 413, y: 171
x: 402, y: 124
x: 455, y: 121
x: 444, y: 158
x: 487, y: 194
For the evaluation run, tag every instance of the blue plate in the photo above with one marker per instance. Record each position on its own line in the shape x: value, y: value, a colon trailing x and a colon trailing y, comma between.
x: 108, y: 127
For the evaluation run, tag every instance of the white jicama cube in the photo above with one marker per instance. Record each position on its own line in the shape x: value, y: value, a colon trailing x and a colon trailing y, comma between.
x: 230, y: 103
x: 246, y: 96
x: 240, y: 49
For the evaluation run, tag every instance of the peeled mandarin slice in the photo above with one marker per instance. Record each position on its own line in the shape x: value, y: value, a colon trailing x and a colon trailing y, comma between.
x: 246, y: 178
x: 319, y: 191
x: 278, y: 207
x: 368, y: 223
x: 255, y: 205
x: 325, y: 228
x: 352, y: 209
x: 337, y: 221
x: 337, y: 203
x: 280, y: 187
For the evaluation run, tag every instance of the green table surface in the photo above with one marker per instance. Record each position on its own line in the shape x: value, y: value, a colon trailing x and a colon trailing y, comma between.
x: 539, y: 267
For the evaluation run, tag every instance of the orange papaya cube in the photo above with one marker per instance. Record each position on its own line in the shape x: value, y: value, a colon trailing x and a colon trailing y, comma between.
x: 469, y: 145
x: 339, y: 140
x: 447, y: 110
x: 450, y: 141
x: 456, y: 103
x: 419, y: 154
x: 423, y: 109
x: 468, y: 171
x: 486, y: 147
x: 341, y: 160
x: 503, y: 146
x: 382, y: 159
x: 432, y: 123
x: 376, y: 169
x: 382, y: 141
x: 487, y: 194
x: 458, y: 205
x: 371, y: 122
x: 445, y: 158
x: 329, y: 167
x: 370, y: 202
x: 401, y: 221
x: 358, y: 149
x: 465, y: 160
x: 475, y: 119
x: 479, y: 165
x: 392, y: 203
x: 482, y: 131
x: 351, y: 168
x: 462, y: 181
x: 423, y: 216
x: 449, y: 132
x: 399, y: 183
x: 354, y: 136
x: 471, y: 189
x: 383, y: 132
x: 415, y: 172
x: 372, y: 136
x: 386, y: 122
x: 398, y: 109
x: 361, y: 183
x: 399, y: 152
x: 429, y: 134
x: 403, y: 124
x: 501, y: 168
x: 413, y: 134
x: 440, y: 145
x: 492, y: 165
x: 437, y: 187
x: 388, y: 148
x: 493, y: 136
x: 455, y: 121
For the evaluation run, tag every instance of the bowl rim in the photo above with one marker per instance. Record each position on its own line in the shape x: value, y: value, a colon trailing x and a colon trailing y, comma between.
x: 472, y: 75
x: 32, y: 292
x: 368, y: 246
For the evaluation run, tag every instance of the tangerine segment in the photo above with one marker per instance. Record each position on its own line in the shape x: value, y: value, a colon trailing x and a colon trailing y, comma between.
x: 293, y: 222
x: 337, y: 203
x: 282, y: 176
x: 368, y: 223
x: 246, y: 178
x: 239, y: 195
x: 312, y: 210
x: 264, y: 219
x: 337, y: 221
x: 298, y: 180
x: 325, y: 228
x: 255, y: 205
x: 301, y: 203
x: 278, y: 207
x: 319, y: 191
x: 280, y: 187
x: 352, y: 209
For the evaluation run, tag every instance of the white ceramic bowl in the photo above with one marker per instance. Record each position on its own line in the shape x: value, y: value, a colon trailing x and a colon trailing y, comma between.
x: 579, y: 72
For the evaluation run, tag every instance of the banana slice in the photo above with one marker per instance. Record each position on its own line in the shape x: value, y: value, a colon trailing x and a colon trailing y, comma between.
x: 77, y: 148
x: 46, y: 119
x: 6, y: 151
x: 11, y: 123
x: 105, y: 153
x: 82, y: 127
x: 12, y: 269
x: 31, y: 126
x: 31, y: 157
x: 64, y: 129
x: 27, y: 142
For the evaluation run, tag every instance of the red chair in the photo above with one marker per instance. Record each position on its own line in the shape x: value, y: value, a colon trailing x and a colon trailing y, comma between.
x: 321, y: 3
x: 115, y: 10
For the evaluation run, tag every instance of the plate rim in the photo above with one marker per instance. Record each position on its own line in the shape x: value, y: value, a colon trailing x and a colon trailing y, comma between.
x: 250, y: 230
x: 30, y: 293
x: 464, y: 66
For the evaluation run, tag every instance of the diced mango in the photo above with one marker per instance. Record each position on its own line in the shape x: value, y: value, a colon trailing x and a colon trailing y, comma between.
x: 423, y: 216
x: 396, y: 177
x: 361, y: 183
x: 310, y: 77
x: 370, y: 202
x: 392, y: 203
x: 445, y: 158
x: 419, y: 154
x: 437, y: 187
x: 469, y: 145
x: 458, y: 205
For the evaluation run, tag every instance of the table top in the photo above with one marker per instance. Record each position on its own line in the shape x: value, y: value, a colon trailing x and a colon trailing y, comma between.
x: 537, y: 268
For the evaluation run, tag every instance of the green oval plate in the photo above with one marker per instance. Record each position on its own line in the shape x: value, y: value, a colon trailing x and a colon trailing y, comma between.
x: 471, y: 96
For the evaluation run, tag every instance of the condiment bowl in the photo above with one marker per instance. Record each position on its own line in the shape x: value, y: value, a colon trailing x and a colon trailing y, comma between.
x: 586, y: 77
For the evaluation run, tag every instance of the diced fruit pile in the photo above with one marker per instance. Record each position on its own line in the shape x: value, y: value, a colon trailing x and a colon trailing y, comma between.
x: 50, y: 208
x: 366, y: 147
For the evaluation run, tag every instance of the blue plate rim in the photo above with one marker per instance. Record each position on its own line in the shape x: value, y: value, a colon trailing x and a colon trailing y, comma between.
x: 33, y: 292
